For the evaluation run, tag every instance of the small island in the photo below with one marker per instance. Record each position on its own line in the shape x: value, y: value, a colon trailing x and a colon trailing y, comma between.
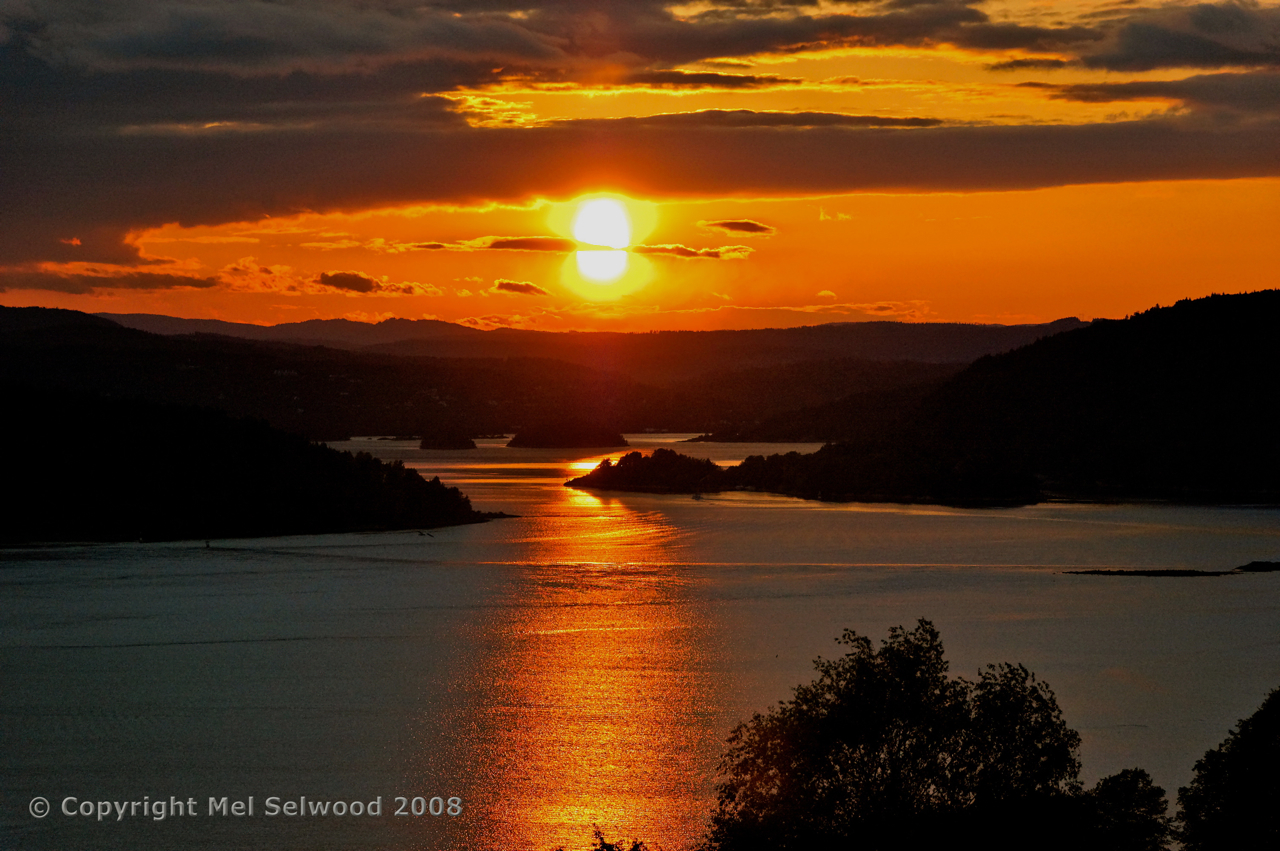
x: 833, y: 474
x: 568, y: 436
x: 446, y: 437
x: 1251, y: 567
x: 665, y: 471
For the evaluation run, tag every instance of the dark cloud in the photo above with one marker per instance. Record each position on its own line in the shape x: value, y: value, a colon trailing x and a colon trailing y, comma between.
x: 1010, y: 36
x: 175, y: 67
x: 705, y: 80
x: 1201, y: 36
x: 917, y: 24
x: 57, y: 99
x: 517, y: 288
x: 100, y: 188
x: 80, y: 283
x: 1029, y: 65
x: 727, y: 252
x: 1253, y: 93
x: 570, y: 36
x: 526, y: 243
x: 125, y: 114
x: 258, y: 35
x: 355, y: 282
x: 741, y: 226
x: 498, y: 243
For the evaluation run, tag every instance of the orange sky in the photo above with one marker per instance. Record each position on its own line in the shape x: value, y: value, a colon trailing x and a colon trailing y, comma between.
x: 783, y: 164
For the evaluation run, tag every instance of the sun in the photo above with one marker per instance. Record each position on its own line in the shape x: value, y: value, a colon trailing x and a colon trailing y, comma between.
x: 603, y: 222
x: 606, y: 227
x: 602, y: 265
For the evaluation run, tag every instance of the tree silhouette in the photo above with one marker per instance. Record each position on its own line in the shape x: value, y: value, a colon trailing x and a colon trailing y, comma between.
x: 1231, y: 802
x: 1129, y: 812
x: 883, y: 750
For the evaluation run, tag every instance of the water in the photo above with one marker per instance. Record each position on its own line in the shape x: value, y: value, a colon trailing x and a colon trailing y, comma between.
x: 581, y: 664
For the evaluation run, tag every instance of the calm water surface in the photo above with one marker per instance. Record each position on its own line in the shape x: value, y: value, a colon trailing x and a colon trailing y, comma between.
x: 582, y: 664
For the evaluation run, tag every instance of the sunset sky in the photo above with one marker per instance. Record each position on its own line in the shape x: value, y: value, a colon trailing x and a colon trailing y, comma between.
x: 779, y: 163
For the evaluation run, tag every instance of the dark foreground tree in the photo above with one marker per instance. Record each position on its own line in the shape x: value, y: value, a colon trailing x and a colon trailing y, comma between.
x: 602, y: 844
x: 1128, y: 812
x: 1232, y: 801
x: 884, y: 750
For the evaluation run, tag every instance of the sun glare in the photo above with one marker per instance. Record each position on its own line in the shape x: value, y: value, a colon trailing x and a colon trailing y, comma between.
x: 605, y: 226
x: 602, y: 265
x: 603, y: 222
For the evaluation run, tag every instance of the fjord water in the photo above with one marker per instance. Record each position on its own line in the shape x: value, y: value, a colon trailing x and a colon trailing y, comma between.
x: 583, y: 663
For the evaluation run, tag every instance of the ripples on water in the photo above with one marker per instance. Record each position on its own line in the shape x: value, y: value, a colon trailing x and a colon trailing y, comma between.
x: 582, y: 664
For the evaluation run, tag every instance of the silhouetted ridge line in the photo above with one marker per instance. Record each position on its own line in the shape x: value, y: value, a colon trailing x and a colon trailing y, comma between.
x: 1172, y: 404
x: 87, y: 469
x: 661, y: 357
x: 820, y: 383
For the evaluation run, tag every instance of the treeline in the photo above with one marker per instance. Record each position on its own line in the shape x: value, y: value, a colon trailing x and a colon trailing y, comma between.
x: 322, y: 393
x: 738, y: 384
x: 84, y: 469
x: 657, y: 357
x: 1171, y: 404
x: 836, y: 473
x: 885, y: 751
x: 814, y: 401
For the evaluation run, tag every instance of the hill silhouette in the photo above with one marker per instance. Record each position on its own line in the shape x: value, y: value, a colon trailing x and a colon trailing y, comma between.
x: 86, y: 469
x: 338, y: 333
x: 1173, y: 404
x: 813, y: 400
x: 660, y: 357
x: 665, y: 471
x: 739, y: 385
x: 321, y: 392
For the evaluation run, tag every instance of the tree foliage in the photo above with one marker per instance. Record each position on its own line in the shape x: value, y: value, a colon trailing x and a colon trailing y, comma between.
x: 1128, y: 812
x: 884, y: 750
x: 599, y: 843
x: 1231, y: 802
x: 116, y: 469
x: 664, y: 471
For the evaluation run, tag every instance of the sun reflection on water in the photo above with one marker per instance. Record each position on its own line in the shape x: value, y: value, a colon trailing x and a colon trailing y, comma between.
x: 597, y: 703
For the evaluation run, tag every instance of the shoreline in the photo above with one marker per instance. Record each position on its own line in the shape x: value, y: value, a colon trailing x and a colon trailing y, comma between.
x: 483, y: 517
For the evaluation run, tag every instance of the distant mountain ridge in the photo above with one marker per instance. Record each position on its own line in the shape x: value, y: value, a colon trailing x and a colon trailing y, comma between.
x: 321, y: 392
x: 731, y: 382
x: 340, y: 333
x: 1174, y: 403
x: 662, y: 357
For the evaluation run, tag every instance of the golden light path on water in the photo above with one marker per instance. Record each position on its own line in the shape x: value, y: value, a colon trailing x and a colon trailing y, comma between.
x: 595, y: 705
x: 583, y: 663
x: 627, y: 634
x: 599, y: 685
